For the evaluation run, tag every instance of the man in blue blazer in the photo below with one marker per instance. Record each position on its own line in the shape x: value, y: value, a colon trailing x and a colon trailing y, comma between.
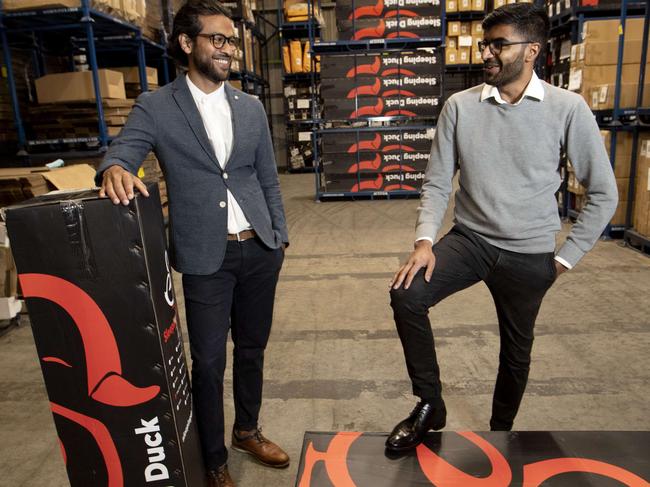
x: 227, y: 225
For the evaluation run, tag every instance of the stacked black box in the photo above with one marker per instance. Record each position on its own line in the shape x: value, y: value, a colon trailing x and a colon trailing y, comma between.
x: 382, y: 85
x: 386, y: 19
x: 375, y: 160
x: 98, y: 288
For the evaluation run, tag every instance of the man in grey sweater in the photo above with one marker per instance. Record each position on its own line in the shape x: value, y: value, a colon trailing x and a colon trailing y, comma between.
x: 505, y: 138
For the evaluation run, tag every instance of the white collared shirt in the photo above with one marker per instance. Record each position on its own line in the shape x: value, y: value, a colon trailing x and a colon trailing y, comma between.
x: 217, y: 120
x: 534, y: 89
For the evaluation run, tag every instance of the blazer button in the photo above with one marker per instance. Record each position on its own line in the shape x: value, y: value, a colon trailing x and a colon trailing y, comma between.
x: 222, y: 204
x: 225, y: 175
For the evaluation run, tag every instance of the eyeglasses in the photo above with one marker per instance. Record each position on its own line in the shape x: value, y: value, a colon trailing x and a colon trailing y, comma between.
x: 219, y: 40
x: 497, y: 45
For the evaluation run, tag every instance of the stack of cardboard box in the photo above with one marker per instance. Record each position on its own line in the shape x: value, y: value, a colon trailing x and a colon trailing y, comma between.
x: 594, y: 63
x: 641, y: 212
x: 133, y: 11
x: 622, y: 164
x: 462, y: 41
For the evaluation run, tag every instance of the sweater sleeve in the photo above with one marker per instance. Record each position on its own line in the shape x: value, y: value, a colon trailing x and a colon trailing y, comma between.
x: 586, y: 151
x: 438, y: 177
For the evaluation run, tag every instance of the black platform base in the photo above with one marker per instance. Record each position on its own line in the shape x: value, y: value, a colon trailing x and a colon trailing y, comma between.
x: 485, y: 459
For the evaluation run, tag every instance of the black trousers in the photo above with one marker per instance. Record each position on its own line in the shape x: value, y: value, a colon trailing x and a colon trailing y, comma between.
x: 239, y: 297
x: 517, y: 282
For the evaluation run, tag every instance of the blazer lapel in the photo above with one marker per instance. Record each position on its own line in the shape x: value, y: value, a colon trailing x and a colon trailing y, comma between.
x: 235, y: 114
x: 186, y: 103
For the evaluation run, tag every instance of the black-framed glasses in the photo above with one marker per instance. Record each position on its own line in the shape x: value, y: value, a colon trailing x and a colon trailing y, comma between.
x: 219, y: 40
x: 496, y: 46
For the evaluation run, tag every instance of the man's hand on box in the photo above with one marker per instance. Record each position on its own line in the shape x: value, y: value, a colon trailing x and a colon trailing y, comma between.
x: 118, y: 185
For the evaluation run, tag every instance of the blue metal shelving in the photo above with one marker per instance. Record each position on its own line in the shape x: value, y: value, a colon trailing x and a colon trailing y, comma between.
x: 99, y: 32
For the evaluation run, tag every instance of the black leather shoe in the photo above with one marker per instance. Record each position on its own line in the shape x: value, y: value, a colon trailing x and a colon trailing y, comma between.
x: 410, y: 432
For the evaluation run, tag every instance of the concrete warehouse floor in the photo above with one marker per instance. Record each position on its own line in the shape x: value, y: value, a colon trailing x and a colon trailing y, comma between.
x: 334, y: 361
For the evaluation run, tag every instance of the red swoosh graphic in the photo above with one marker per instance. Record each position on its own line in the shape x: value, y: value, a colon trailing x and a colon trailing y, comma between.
x: 443, y: 474
x: 393, y: 187
x: 537, y: 473
x: 397, y: 167
x: 399, y: 71
x: 372, y: 32
x: 366, y: 144
x: 401, y: 33
x: 398, y: 92
x: 365, y: 69
x: 406, y: 148
x: 370, y: 11
x: 373, y: 164
x: 393, y: 113
x: 334, y: 459
x: 401, y: 13
x: 369, y: 111
x: 372, y: 90
x: 56, y: 360
x: 104, y: 368
x: 376, y: 184
x: 103, y: 438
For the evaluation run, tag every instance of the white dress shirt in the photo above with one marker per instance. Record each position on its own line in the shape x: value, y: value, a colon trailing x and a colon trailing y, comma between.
x: 217, y: 120
x: 534, y: 90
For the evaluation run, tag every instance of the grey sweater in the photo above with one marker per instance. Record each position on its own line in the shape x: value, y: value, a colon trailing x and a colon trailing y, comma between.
x: 508, y: 157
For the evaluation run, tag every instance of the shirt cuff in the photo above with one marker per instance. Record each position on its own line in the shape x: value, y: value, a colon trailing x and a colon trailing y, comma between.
x: 424, y: 238
x: 563, y: 262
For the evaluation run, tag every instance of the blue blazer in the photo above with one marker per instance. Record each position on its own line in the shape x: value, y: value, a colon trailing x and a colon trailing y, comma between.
x: 167, y: 122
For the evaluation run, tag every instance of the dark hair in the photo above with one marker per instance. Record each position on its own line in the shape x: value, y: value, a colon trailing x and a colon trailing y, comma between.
x: 527, y: 19
x: 186, y: 21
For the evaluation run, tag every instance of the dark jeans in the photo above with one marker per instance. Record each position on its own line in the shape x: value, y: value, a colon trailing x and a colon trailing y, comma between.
x: 517, y: 282
x: 239, y: 297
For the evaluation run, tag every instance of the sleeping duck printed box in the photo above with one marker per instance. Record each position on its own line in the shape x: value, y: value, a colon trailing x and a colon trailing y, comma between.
x: 99, y: 292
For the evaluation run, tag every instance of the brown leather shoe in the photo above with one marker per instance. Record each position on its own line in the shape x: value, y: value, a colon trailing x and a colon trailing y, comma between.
x: 264, y: 450
x: 220, y: 477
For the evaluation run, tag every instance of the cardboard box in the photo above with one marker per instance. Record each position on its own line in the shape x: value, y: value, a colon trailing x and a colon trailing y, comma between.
x: 476, y: 55
x: 599, y: 53
x: 478, y: 5
x: 499, y: 3
x: 78, y: 86
x: 623, y: 157
x: 411, y: 27
x: 20, y: 184
x: 451, y: 56
x: 620, y: 214
x: 38, y: 4
x: 641, y: 211
x: 466, y: 28
x: 410, y: 140
x: 451, y: 6
x: 464, y: 5
x: 131, y: 74
x: 602, y: 96
x: 583, y: 78
x: 451, y: 42
x: 608, y: 30
x: 108, y: 337
x: 8, y: 276
x: 453, y: 28
x: 464, y: 55
x: 477, y: 29
x: 370, y: 107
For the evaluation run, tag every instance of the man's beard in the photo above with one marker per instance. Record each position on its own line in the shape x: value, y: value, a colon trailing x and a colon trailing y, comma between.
x: 507, y: 72
x: 206, y: 67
